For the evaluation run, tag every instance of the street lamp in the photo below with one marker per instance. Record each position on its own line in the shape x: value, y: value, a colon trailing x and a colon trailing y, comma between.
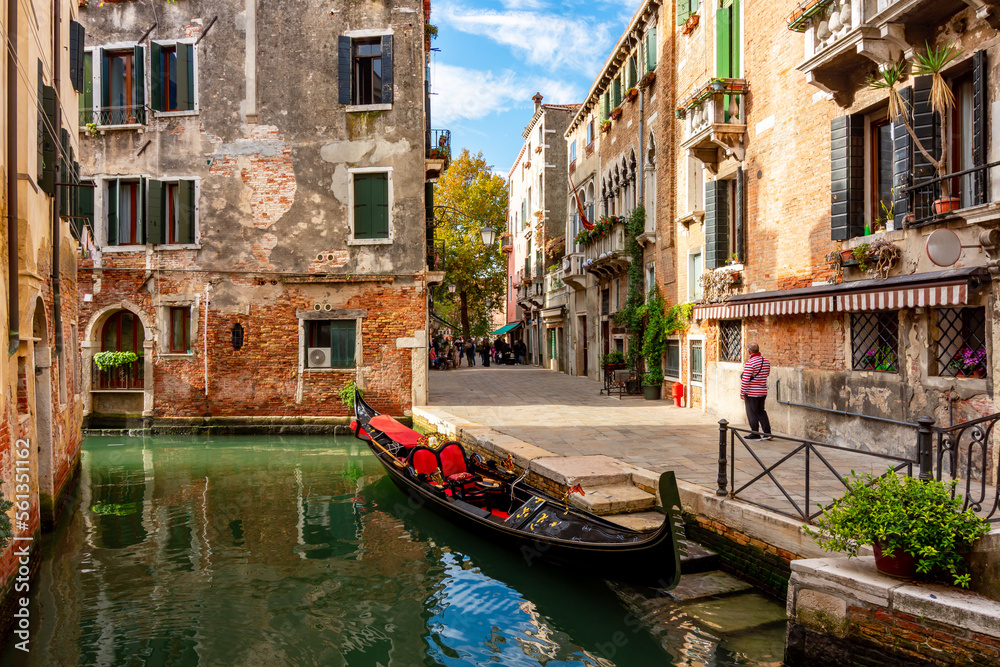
x: 489, y: 235
x: 451, y: 288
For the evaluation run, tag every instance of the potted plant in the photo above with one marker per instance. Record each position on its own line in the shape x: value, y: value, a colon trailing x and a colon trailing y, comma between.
x: 652, y: 383
x: 605, y: 126
x: 931, y: 62
x: 647, y: 79
x: 877, y: 257
x: 908, y: 522
x: 613, y: 360
x: 690, y: 24
x: 969, y: 362
x: 105, y: 361
x: 631, y: 94
x: 616, y: 113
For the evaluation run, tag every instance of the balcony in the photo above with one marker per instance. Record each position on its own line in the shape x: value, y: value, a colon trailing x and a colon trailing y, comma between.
x: 573, y: 274
x: 715, y: 121
x: 607, y: 254
x: 843, y: 37
x: 969, y: 189
x: 438, y: 155
x: 113, y: 117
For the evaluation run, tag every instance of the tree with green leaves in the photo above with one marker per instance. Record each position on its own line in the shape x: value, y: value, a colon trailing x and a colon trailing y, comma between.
x: 468, y: 197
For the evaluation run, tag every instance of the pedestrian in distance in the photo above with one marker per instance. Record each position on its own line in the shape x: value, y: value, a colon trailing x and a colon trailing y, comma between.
x: 753, y: 391
x: 485, y: 351
x: 520, y: 351
x: 470, y: 352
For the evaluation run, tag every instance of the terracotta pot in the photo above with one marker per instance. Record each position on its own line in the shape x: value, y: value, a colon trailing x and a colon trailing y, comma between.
x: 900, y: 564
x: 942, y: 206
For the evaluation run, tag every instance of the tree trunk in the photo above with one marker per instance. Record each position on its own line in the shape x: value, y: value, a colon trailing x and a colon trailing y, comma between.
x: 465, y: 314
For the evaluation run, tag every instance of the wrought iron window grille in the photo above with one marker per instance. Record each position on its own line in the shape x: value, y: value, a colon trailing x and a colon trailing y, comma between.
x: 875, y: 341
x: 961, y: 342
x: 731, y: 340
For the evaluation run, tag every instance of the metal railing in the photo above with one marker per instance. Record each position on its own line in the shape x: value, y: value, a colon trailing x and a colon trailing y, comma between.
x: 439, y: 144
x: 609, y: 244
x: 923, y: 195
x: 126, y: 376
x: 435, y: 256
x: 113, y: 116
x: 951, y: 458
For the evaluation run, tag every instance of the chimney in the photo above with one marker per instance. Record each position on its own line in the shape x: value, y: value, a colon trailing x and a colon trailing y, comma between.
x: 538, y: 101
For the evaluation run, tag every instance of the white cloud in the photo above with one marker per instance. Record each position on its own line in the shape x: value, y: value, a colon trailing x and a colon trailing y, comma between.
x: 555, y: 42
x: 474, y: 94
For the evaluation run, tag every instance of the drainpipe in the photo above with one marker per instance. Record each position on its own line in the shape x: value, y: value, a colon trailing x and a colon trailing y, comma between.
x: 208, y: 288
x: 12, y: 223
x: 61, y: 154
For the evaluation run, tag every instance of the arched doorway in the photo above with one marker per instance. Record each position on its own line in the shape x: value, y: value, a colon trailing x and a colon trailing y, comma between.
x: 43, y: 407
x: 123, y: 332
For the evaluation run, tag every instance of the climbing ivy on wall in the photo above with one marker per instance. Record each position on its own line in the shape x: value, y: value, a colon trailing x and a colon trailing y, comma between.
x: 630, y: 316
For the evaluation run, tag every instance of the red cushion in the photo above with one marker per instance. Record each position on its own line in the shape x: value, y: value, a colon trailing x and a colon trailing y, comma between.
x: 461, y: 476
x: 423, y: 461
x: 403, y: 435
x: 452, y: 459
x: 359, y: 431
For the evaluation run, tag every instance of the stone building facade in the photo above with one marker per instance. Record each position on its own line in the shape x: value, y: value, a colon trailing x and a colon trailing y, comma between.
x: 40, y: 406
x: 536, y: 196
x: 258, y: 209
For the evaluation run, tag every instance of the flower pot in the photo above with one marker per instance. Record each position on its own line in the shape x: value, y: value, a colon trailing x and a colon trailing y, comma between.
x: 651, y: 391
x: 900, y: 564
x: 942, y: 206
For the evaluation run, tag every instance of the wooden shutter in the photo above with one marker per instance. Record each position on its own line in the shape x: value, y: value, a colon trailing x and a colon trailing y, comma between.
x: 980, y: 114
x: 76, y: 39
x: 740, y: 225
x: 362, y: 207
x: 342, y: 337
x: 112, y: 207
x: 48, y: 172
x: 105, y: 80
x: 40, y: 130
x: 926, y: 127
x: 847, y: 177
x: 140, y: 214
x: 156, y: 77
x: 344, y: 69
x: 651, y: 49
x: 683, y: 11
x: 87, y: 95
x: 902, y: 155
x: 616, y: 87
x: 65, y: 176
x: 156, y: 212
x: 723, y: 42
x: 87, y: 205
x: 632, y: 74
x: 185, y: 76
x: 716, y: 223
x: 185, y: 212
x: 387, y: 69
x: 380, y: 210
x: 138, y: 80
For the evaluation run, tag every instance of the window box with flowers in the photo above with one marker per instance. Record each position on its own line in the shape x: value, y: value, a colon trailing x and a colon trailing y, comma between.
x: 690, y: 24
x: 631, y: 94
x: 601, y: 229
x: 605, y: 126
x: 647, y: 79
x: 969, y: 362
x: 616, y: 113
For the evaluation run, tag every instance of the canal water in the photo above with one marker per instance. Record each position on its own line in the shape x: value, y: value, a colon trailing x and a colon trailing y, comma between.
x: 299, y: 551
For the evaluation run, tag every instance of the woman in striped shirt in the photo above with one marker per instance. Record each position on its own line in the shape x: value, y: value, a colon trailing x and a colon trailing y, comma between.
x: 753, y: 391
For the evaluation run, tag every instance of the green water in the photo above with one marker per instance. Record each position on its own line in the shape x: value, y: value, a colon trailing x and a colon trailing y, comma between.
x: 299, y: 551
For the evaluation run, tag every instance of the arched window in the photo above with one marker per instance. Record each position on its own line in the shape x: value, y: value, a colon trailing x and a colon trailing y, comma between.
x: 590, y: 202
x: 123, y: 332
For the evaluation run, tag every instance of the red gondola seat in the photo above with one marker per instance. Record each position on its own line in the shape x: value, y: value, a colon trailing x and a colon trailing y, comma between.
x: 423, y: 461
x: 455, y: 470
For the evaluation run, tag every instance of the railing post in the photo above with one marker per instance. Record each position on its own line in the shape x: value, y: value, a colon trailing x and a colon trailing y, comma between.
x: 925, y: 449
x: 723, y: 429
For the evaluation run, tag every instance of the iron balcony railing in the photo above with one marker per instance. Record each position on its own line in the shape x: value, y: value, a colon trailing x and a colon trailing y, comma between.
x: 435, y: 256
x: 134, y: 114
x: 969, y: 186
x: 126, y: 376
x: 439, y: 144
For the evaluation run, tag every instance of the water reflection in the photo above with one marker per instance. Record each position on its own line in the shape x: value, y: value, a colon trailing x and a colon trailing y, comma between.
x: 299, y: 551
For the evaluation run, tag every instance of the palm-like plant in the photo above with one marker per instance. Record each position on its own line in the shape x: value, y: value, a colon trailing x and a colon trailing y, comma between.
x: 933, y: 62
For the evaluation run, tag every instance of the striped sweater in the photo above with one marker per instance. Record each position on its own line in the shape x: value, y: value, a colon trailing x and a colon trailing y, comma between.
x: 753, y: 380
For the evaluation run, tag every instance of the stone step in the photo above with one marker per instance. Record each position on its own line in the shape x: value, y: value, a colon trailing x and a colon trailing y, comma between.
x: 707, y: 585
x: 587, y: 471
x: 614, y: 499
x: 696, y: 558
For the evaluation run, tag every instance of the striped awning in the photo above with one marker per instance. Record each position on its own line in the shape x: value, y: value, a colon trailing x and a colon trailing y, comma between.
x: 946, y: 293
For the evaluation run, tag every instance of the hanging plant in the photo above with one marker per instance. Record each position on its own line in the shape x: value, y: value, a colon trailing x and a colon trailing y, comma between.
x: 876, y: 258
x: 346, y: 394
x: 112, y: 359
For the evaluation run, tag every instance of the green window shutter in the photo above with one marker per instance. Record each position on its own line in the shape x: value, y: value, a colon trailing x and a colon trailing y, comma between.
x: 380, y: 214
x: 155, y: 211
x: 65, y: 162
x: 87, y: 95
x: 734, y: 44
x: 105, y: 78
x: 683, y: 11
x: 48, y: 180
x: 112, y: 207
x: 185, y: 212
x: 723, y: 42
x: 140, y: 214
x: 716, y: 224
x: 156, y: 77
x: 363, y: 207
x: 616, y: 87
x: 386, y: 64
x: 76, y: 37
x: 185, y: 76
x: 87, y: 206
x: 632, y: 73
x: 139, y: 81
x: 651, y: 50
x: 343, y: 334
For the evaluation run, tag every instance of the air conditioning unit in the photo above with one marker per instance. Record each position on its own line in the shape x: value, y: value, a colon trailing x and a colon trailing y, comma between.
x: 319, y: 357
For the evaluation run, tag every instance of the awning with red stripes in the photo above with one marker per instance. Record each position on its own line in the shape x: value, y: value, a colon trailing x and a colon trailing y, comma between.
x: 948, y: 288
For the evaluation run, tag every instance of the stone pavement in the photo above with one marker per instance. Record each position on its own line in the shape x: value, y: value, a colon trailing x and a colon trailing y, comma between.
x: 567, y: 416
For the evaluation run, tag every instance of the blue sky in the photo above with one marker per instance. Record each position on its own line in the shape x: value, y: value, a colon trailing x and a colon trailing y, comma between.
x: 495, y: 54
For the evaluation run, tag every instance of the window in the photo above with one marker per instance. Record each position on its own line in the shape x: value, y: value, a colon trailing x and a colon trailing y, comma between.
x: 365, y: 70
x: 615, y: 295
x: 697, y: 361
x: 694, y: 275
x: 371, y: 205
x: 605, y: 301
x: 330, y: 343
x: 572, y: 152
x: 960, y: 337
x: 616, y: 92
x: 125, y: 206
x: 590, y: 135
x: 875, y: 341
x: 724, y: 205
x: 631, y: 73
x: 171, y: 212
x: 685, y: 8
x: 672, y: 359
x: 880, y: 142
x: 731, y: 340
x: 650, y: 48
x: 171, y: 81
x: 961, y: 136
x: 180, y: 330
x: 650, y: 276
x: 86, y: 97
x: 123, y: 332
x: 123, y: 86
x: 524, y: 213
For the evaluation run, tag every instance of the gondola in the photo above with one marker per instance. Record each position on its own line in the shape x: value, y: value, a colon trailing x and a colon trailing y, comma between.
x: 489, y: 499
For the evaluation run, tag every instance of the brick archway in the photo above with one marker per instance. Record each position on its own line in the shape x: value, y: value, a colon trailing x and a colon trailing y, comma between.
x: 92, y: 344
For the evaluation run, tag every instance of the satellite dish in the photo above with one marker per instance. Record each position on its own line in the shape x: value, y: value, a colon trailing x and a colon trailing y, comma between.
x: 944, y: 247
